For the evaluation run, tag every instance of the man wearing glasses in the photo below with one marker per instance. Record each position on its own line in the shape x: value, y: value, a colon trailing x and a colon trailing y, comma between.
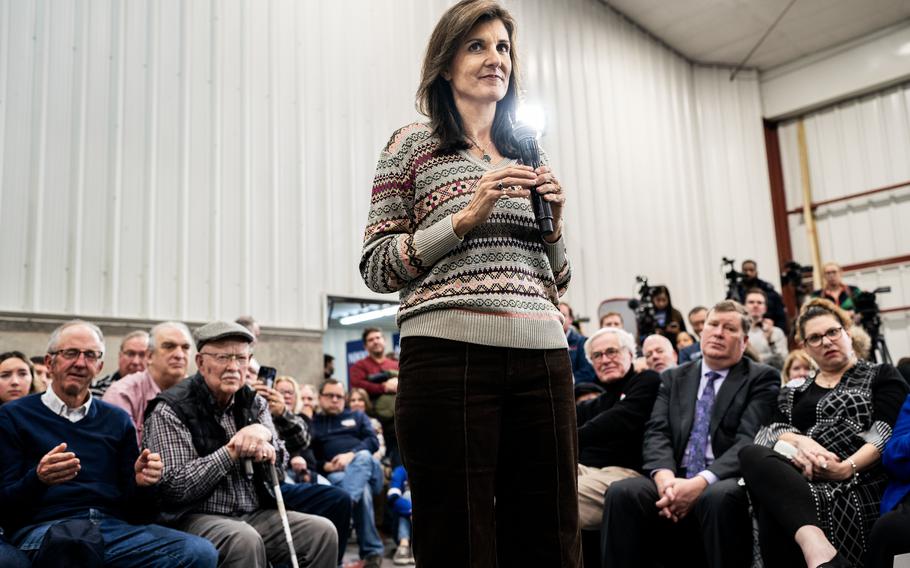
x: 611, y: 427
x: 217, y: 440
x: 344, y: 443
x: 72, y: 481
x: 132, y: 359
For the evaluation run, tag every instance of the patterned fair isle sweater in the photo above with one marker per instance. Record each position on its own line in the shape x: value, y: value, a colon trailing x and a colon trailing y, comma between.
x: 499, y: 285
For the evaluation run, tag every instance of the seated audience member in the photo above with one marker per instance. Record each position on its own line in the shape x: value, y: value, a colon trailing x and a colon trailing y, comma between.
x: 587, y: 391
x: 818, y: 505
x: 612, y: 319
x: 611, y: 427
x: 10, y: 556
x: 132, y: 359
x: 289, y: 390
x: 797, y: 366
x: 581, y: 368
x: 683, y: 340
x: 41, y: 380
x: 209, y: 429
x: 658, y: 353
x: 697, y: 317
x: 775, y: 303
x: 16, y: 376
x: 69, y: 464
x: 835, y: 290
x: 399, y: 496
x: 251, y: 325
x: 377, y: 373
x: 307, y: 401
x: 667, y: 319
x: 169, y: 349
x: 767, y: 340
x: 890, y: 534
x: 706, y: 410
x: 344, y: 443
x: 359, y: 401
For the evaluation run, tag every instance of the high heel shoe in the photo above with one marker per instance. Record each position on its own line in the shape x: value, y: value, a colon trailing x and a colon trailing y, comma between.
x: 837, y: 562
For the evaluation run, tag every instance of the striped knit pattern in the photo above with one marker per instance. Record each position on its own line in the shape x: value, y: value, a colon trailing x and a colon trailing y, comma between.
x: 499, y: 285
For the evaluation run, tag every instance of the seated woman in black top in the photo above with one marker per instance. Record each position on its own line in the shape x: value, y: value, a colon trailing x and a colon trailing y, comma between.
x: 817, y: 507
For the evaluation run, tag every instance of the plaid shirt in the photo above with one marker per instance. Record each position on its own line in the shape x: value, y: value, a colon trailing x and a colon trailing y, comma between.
x: 213, y: 484
x: 294, y: 432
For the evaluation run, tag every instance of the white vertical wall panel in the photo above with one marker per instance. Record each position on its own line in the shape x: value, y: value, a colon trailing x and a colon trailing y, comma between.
x: 202, y: 159
x: 853, y: 147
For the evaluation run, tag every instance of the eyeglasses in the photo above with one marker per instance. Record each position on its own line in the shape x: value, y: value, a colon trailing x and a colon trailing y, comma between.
x: 333, y: 396
x: 225, y: 359
x: 90, y: 355
x: 133, y: 354
x: 831, y: 334
x: 610, y: 353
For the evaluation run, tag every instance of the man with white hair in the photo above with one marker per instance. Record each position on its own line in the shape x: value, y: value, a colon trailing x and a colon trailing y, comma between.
x: 611, y: 427
x: 170, y: 344
x: 659, y: 353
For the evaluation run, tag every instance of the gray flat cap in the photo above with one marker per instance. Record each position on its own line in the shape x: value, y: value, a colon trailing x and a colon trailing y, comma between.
x: 218, y: 330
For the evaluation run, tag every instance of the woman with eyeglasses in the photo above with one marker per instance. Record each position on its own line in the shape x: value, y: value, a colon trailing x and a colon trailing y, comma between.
x: 16, y: 376
x: 817, y: 492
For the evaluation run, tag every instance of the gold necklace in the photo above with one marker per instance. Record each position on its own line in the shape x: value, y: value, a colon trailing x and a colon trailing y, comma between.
x: 486, y: 157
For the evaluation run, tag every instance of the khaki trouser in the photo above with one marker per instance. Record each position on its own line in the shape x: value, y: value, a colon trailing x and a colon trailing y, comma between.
x: 593, y: 483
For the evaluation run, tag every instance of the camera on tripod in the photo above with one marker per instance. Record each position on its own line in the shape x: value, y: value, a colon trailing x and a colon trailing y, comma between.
x: 793, y: 276
x: 866, y: 306
x: 644, y: 307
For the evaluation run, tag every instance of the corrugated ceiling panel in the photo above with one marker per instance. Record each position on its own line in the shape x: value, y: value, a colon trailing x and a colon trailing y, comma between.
x: 194, y: 160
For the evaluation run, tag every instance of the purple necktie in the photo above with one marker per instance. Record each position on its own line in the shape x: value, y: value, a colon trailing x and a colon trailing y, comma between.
x: 694, y: 458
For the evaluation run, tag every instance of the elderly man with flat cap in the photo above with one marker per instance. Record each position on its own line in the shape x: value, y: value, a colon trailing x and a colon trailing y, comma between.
x: 208, y: 430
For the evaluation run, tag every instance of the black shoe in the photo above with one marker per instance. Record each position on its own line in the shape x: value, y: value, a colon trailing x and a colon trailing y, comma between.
x: 837, y: 562
x: 372, y: 561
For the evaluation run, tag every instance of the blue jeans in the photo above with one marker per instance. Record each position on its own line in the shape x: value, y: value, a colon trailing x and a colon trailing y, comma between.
x: 362, y: 478
x: 127, y: 545
x: 404, y: 527
x: 10, y: 556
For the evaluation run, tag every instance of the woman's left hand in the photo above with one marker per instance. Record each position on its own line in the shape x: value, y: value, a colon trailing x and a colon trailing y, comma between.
x: 550, y: 189
x: 833, y: 471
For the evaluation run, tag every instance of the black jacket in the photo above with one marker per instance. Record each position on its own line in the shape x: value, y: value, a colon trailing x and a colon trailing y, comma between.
x: 611, y: 427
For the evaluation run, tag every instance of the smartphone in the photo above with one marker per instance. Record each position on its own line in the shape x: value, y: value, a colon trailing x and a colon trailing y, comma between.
x: 267, y: 375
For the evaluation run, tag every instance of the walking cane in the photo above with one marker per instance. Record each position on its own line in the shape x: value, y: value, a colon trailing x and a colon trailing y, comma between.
x: 284, y: 515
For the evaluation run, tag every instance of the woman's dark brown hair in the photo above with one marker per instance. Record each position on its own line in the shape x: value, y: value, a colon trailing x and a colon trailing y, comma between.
x: 22, y: 356
x: 434, y: 95
x: 820, y: 307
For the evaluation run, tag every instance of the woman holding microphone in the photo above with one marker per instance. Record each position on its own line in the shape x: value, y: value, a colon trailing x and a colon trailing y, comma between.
x: 485, y: 412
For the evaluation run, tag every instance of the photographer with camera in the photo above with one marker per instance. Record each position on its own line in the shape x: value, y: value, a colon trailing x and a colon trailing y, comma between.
x: 654, y: 312
x: 748, y: 279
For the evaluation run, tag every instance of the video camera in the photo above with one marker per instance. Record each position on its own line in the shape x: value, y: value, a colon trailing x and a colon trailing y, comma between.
x: 644, y: 307
x: 866, y: 305
x: 734, y: 279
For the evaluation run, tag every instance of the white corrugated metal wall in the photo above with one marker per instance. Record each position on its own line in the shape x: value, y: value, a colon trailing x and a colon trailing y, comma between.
x: 854, y: 147
x: 192, y: 160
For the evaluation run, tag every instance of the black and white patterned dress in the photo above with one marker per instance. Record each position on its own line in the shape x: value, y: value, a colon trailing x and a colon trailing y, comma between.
x: 860, y: 409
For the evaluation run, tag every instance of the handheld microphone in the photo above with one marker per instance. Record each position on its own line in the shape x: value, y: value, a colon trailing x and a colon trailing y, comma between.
x: 526, y: 137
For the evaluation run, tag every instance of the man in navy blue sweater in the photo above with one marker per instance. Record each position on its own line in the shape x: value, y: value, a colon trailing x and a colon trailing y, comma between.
x: 344, y: 443
x: 69, y: 465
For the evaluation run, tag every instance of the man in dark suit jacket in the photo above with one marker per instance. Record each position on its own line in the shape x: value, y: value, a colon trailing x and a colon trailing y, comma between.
x: 692, y: 506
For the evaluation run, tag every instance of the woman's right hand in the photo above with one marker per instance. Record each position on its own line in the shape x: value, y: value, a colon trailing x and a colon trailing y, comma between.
x: 515, y: 181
